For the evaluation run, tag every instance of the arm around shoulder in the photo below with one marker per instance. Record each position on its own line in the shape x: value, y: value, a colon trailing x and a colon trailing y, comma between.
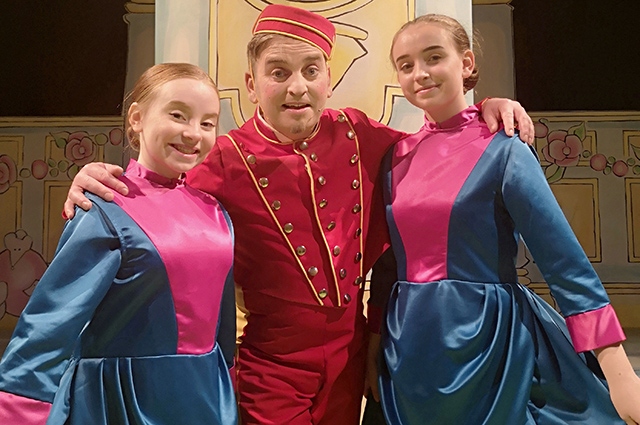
x: 96, y: 177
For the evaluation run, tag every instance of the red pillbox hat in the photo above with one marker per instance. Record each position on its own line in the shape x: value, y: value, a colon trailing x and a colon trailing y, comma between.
x: 297, y: 23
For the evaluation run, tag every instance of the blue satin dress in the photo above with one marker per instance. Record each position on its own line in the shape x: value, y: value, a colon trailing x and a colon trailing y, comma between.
x: 464, y: 342
x: 126, y: 325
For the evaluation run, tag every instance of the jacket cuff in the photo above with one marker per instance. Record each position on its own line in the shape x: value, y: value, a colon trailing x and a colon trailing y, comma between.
x: 18, y: 410
x: 595, y: 329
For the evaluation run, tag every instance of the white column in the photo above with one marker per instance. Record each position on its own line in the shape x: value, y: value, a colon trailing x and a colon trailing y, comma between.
x: 182, y: 31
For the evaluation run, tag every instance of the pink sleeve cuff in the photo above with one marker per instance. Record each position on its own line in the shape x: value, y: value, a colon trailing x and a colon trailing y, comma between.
x: 374, y: 318
x: 595, y: 329
x: 18, y: 410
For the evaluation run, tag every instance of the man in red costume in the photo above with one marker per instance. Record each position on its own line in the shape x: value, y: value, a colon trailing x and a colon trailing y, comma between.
x: 300, y: 184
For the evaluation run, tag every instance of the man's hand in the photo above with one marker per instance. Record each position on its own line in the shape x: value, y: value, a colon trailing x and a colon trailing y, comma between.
x: 98, y: 178
x: 510, y: 112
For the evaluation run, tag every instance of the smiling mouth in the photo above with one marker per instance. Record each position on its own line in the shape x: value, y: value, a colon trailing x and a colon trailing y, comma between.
x: 426, y: 89
x: 185, y: 149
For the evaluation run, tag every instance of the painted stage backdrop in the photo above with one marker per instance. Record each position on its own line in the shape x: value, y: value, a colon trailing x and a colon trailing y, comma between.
x: 591, y: 160
x: 36, y: 167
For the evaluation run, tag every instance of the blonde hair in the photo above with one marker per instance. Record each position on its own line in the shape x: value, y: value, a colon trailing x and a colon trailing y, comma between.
x: 458, y: 34
x: 152, y: 79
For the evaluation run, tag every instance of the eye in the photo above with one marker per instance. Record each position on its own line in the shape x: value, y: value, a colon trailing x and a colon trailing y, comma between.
x: 278, y: 74
x: 177, y: 115
x: 405, y: 67
x: 208, y: 125
x: 313, y: 71
x: 434, y: 58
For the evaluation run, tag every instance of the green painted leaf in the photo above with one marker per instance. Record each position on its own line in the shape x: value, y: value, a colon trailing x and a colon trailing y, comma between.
x: 554, y: 173
x: 579, y: 130
x: 61, y: 138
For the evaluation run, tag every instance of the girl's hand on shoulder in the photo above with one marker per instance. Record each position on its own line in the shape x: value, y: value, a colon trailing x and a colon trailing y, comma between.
x: 511, y: 114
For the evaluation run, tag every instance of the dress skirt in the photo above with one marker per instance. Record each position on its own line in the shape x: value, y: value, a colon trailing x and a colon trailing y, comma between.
x: 146, y: 391
x: 485, y: 353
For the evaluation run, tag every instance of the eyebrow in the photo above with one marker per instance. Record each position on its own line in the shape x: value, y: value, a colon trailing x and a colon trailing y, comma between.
x: 436, y: 47
x: 181, y: 104
x: 307, y: 59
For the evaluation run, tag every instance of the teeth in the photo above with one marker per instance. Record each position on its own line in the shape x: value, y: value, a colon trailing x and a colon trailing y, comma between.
x: 185, y: 149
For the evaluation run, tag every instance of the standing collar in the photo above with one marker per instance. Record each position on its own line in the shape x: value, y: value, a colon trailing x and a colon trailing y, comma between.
x: 463, y: 117
x: 134, y: 169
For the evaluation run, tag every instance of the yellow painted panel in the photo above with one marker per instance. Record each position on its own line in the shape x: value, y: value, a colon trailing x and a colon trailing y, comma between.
x: 10, y: 202
x: 632, y: 186
x: 578, y: 198
x: 55, y: 194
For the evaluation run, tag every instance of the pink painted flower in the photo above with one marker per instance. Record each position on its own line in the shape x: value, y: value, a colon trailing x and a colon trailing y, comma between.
x: 620, y: 168
x: 598, y: 162
x: 8, y: 172
x: 541, y: 130
x: 563, y: 149
x: 116, y: 136
x: 80, y: 149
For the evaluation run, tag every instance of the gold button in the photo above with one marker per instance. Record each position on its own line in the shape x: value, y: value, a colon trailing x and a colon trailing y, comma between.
x: 358, y: 281
x: 341, y: 118
x: 323, y: 203
x: 304, y: 145
x: 358, y: 257
x: 301, y: 250
x: 263, y: 182
x: 356, y: 208
x: 313, y: 270
x: 322, y: 180
x: 336, y: 250
x: 355, y: 158
x: 251, y: 159
x: 343, y: 273
x: 288, y: 228
x: 323, y: 293
x: 347, y: 298
x: 331, y: 225
x: 355, y: 184
x: 351, y: 134
x: 275, y: 205
x: 358, y: 232
x: 313, y: 157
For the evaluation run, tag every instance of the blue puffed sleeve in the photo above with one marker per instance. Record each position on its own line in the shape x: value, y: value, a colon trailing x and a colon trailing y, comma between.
x: 87, y: 259
x: 544, y: 228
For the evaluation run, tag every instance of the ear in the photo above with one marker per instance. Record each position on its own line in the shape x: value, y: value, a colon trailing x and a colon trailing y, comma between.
x: 330, y: 89
x: 135, y: 117
x: 468, y: 63
x: 251, y: 87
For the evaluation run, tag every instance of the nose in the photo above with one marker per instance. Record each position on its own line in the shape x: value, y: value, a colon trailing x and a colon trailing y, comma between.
x: 421, y: 72
x: 193, y: 132
x: 297, y: 84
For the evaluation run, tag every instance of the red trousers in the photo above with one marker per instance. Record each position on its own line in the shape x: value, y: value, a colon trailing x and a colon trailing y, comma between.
x: 301, y: 364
